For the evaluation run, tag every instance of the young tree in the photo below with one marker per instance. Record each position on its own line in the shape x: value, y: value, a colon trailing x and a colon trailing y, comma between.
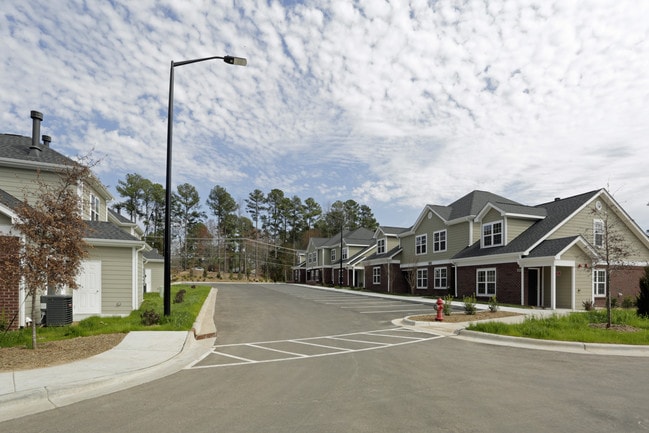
x: 612, y: 246
x: 53, y: 230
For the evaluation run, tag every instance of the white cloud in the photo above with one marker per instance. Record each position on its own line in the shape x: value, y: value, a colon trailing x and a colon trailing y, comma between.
x: 400, y: 104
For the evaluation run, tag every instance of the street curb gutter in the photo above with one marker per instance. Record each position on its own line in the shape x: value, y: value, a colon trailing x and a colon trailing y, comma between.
x: 204, y: 326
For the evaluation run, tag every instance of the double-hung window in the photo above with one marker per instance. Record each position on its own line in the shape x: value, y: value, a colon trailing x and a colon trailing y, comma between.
x: 599, y: 282
x: 344, y: 254
x: 486, y: 282
x: 376, y: 275
x: 94, y: 208
x: 439, y: 241
x: 420, y: 244
x: 441, y: 281
x: 598, y: 233
x: 333, y: 255
x: 380, y: 246
x: 422, y: 278
x: 492, y: 234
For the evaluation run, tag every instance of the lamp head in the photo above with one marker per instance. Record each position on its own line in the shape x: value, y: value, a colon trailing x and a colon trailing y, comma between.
x: 239, y: 61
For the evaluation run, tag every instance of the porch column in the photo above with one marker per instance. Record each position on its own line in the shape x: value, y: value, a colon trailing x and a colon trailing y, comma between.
x: 553, y: 287
x: 573, y: 289
x: 522, y: 285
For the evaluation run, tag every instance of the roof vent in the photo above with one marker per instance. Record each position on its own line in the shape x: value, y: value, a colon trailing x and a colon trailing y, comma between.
x: 46, y: 140
x: 35, y: 148
x: 557, y: 198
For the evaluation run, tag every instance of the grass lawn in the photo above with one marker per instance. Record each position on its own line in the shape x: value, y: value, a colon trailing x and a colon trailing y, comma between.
x: 182, y: 317
x: 586, y: 327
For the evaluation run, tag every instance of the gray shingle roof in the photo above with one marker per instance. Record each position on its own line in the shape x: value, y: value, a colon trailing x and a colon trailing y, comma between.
x: 556, y: 212
x: 9, y: 200
x: 551, y: 247
x: 17, y: 147
x: 107, y: 230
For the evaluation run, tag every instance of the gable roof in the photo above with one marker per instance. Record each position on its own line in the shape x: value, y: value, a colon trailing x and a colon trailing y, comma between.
x: 9, y: 200
x: 557, y: 212
x: 103, y: 230
x: 17, y: 148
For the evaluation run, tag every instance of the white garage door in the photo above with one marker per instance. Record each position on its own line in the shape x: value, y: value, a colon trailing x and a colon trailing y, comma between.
x: 86, y: 300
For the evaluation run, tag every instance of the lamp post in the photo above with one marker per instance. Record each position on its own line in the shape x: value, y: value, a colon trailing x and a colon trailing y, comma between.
x: 239, y: 61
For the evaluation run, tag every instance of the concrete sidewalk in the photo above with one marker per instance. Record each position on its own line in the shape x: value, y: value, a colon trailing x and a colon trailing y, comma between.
x: 141, y: 357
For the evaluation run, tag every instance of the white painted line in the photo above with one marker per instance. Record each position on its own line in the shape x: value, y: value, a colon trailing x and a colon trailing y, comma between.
x: 301, y: 355
x: 396, y: 311
x: 233, y: 356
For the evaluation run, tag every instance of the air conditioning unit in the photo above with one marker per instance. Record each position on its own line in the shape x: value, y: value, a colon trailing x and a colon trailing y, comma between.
x: 58, y: 310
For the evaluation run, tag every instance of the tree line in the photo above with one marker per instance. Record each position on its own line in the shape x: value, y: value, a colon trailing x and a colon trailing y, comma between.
x: 259, y: 233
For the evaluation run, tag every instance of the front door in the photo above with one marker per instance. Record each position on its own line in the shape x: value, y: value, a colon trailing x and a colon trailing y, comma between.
x: 533, y: 287
x: 86, y: 300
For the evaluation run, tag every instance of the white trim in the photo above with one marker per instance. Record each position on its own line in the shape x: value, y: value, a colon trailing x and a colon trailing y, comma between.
x: 495, y: 282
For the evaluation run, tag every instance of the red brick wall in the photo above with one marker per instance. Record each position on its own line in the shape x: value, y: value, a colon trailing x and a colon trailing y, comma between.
x: 624, y: 283
x: 9, y: 302
x: 508, y: 282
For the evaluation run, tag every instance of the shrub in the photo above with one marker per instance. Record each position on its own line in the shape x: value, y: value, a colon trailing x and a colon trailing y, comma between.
x: 469, y: 304
x: 448, y: 299
x: 493, y: 304
x: 642, y: 300
x: 628, y: 302
x: 180, y: 296
x: 150, y: 317
x: 588, y: 305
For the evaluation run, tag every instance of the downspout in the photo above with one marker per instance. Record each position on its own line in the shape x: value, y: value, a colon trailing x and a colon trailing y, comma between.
x: 522, y: 282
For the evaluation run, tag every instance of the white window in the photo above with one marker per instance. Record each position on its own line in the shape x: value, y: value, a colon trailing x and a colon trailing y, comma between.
x: 486, y: 282
x: 420, y: 244
x: 344, y: 253
x: 376, y: 275
x: 94, y: 208
x: 492, y: 234
x: 599, y: 282
x: 598, y: 233
x: 333, y: 255
x: 441, y: 281
x: 380, y: 246
x: 422, y: 278
x: 439, y: 241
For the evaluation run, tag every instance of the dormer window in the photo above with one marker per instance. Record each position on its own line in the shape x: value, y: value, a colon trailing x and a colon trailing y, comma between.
x: 380, y: 246
x: 492, y: 234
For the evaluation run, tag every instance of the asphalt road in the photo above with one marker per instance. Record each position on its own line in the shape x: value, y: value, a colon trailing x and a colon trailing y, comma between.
x: 293, y: 359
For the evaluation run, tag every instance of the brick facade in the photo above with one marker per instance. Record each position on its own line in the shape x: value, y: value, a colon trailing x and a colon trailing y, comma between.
x: 9, y: 288
x: 508, y: 282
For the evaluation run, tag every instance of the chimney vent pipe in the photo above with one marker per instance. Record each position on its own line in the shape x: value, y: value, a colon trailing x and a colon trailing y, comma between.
x: 37, y: 118
x: 47, y: 140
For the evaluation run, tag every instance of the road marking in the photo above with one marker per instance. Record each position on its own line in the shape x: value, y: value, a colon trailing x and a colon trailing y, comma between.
x: 228, y: 355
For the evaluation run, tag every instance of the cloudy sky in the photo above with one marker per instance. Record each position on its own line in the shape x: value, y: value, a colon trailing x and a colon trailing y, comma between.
x: 394, y: 104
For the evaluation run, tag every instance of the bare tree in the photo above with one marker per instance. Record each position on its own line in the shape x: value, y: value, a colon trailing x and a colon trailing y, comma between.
x: 53, y: 230
x: 411, y: 279
x: 612, y: 246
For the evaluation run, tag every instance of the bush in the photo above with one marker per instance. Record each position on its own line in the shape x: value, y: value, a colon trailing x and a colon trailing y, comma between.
x: 150, y: 317
x: 493, y: 304
x: 180, y: 296
x: 642, y: 301
x: 628, y: 302
x: 448, y: 299
x: 588, y: 305
x: 469, y: 304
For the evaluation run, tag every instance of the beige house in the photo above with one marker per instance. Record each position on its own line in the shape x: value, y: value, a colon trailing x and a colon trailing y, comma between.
x: 113, y: 276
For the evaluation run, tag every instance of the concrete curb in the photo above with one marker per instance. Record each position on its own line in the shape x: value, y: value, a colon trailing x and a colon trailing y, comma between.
x: 204, y: 326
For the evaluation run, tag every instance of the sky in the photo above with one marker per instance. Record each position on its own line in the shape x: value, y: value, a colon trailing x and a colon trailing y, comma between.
x: 393, y: 104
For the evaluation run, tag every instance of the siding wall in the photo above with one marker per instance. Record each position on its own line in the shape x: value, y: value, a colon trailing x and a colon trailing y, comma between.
x: 515, y: 227
x: 116, y: 277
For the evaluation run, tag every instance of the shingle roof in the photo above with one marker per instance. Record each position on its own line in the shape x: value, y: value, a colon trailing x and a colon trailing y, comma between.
x: 17, y: 147
x: 9, y: 200
x: 107, y: 230
x: 551, y: 247
x: 556, y: 212
x: 153, y: 255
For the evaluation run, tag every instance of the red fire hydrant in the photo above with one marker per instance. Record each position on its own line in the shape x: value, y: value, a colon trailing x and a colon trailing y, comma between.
x: 440, y: 308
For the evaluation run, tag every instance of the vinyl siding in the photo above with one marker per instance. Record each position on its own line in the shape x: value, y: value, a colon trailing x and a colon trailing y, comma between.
x: 116, y: 277
x: 428, y: 226
x: 583, y: 275
x: 18, y: 182
x: 515, y: 227
x: 582, y: 223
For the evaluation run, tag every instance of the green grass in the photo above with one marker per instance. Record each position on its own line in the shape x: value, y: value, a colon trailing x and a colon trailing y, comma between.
x: 575, y: 327
x: 182, y: 318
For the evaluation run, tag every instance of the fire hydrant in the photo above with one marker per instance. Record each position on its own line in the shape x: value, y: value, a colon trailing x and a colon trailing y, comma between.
x: 440, y: 308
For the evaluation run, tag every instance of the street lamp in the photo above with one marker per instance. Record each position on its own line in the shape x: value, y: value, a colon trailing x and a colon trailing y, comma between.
x: 239, y: 61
